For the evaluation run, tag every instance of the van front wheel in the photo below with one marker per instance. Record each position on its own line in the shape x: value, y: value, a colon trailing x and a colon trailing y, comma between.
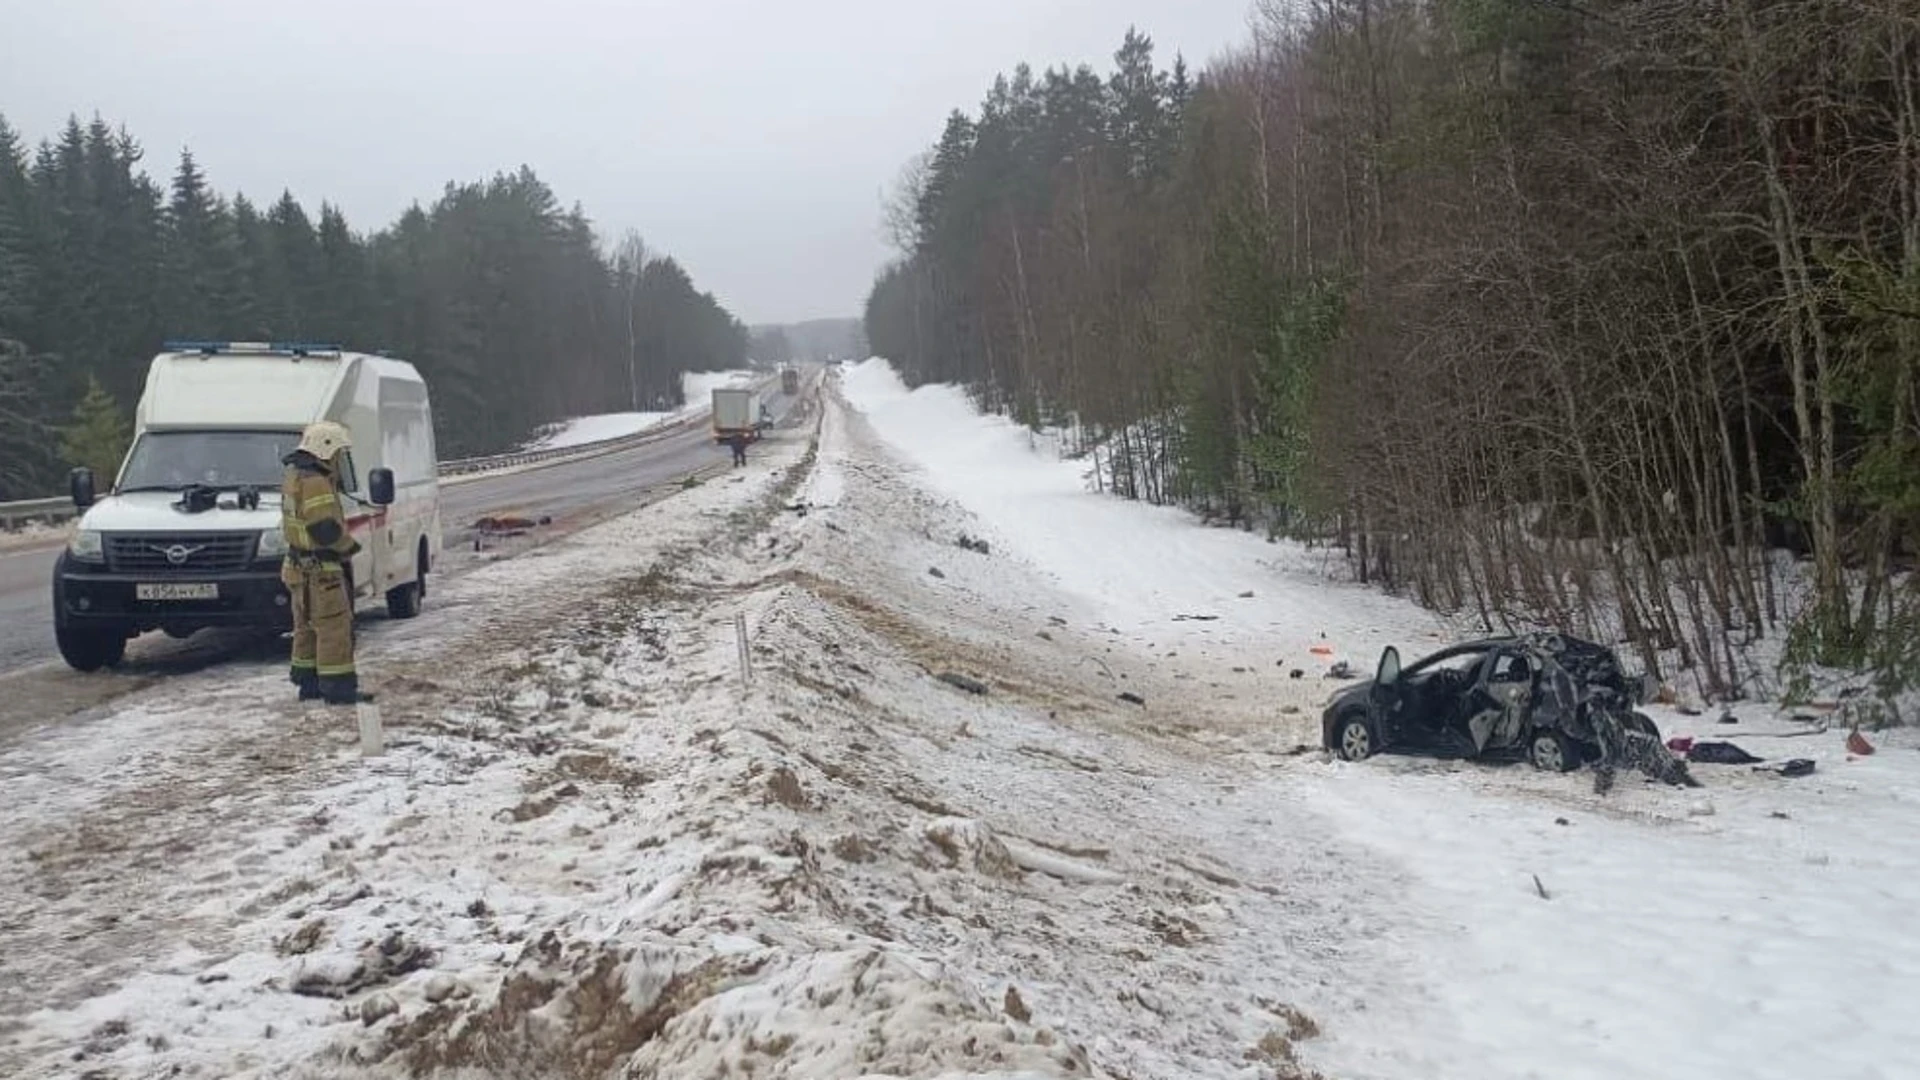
x: 90, y: 650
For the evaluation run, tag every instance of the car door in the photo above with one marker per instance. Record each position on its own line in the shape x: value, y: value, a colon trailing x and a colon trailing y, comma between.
x: 1505, y: 694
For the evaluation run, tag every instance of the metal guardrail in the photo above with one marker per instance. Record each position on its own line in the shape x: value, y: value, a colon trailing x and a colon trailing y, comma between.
x: 517, y: 458
x: 15, y: 514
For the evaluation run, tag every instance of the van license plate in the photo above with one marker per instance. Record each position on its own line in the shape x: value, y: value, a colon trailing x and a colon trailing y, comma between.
x: 170, y: 591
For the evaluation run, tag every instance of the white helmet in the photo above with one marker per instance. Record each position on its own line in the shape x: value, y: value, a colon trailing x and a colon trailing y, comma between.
x: 325, y: 439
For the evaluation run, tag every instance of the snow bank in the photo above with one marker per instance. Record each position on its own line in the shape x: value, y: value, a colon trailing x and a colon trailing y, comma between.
x: 696, y: 386
x: 582, y: 430
x: 1149, y: 572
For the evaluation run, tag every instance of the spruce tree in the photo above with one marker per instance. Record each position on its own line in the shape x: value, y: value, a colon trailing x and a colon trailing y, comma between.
x: 98, y: 435
x: 23, y: 438
x: 193, y: 291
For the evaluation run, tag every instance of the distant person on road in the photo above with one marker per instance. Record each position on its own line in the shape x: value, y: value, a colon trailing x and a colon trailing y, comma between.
x: 314, y: 522
x: 738, y: 442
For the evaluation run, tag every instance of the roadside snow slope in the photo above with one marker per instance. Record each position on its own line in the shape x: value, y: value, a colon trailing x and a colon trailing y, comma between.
x: 1756, y: 928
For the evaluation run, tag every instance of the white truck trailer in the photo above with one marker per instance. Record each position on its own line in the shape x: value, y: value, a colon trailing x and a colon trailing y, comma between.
x: 737, y: 411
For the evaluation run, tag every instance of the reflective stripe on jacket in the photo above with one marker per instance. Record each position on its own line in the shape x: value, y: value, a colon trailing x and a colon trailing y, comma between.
x: 311, y: 515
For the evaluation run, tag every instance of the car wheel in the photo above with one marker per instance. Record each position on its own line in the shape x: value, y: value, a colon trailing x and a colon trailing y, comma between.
x: 403, y: 601
x: 1552, y: 751
x: 90, y: 650
x: 1354, y: 738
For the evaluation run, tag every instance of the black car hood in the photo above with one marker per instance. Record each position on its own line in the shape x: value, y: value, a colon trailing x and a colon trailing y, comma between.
x: 1359, y: 691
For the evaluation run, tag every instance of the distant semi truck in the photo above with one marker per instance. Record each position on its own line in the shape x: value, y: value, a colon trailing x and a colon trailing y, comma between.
x: 737, y: 411
x: 790, y: 380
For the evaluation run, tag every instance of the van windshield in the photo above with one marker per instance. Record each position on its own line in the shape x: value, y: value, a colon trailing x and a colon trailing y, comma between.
x: 171, y: 460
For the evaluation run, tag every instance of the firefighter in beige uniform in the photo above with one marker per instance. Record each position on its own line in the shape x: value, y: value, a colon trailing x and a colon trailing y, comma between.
x: 314, y: 519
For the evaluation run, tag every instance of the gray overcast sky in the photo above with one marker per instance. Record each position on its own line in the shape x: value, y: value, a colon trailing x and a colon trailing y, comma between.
x: 750, y: 138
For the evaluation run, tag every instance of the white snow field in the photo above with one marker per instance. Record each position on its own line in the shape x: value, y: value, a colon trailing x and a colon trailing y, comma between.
x: 919, y: 833
x: 697, y: 387
x: 1755, y: 927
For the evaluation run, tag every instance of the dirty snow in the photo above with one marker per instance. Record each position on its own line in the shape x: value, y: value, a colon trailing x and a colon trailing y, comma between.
x: 599, y: 846
x: 33, y: 534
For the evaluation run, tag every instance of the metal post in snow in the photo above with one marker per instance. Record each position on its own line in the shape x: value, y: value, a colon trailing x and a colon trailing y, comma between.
x: 740, y: 635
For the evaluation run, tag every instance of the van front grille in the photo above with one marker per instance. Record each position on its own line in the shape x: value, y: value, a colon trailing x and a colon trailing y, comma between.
x: 179, y: 553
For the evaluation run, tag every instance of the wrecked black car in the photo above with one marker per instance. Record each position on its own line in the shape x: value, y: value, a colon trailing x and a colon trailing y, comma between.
x: 1554, y: 700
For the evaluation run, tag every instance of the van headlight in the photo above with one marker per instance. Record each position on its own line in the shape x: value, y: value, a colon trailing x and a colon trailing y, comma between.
x: 273, y: 544
x: 86, y: 546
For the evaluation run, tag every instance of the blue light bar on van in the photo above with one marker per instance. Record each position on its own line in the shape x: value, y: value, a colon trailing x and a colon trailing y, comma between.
x: 252, y: 348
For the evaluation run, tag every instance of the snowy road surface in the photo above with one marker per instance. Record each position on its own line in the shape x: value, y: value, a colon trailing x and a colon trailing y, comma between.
x: 598, y: 846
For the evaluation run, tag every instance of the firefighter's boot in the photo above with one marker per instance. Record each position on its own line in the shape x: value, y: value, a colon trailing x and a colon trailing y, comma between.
x: 307, y: 681
x: 343, y: 690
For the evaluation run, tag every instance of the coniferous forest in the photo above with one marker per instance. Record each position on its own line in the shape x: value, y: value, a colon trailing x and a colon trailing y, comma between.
x: 1604, y: 316
x: 508, y: 302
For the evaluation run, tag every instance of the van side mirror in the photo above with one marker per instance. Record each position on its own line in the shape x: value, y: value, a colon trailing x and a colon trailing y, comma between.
x: 380, y: 487
x: 80, y: 486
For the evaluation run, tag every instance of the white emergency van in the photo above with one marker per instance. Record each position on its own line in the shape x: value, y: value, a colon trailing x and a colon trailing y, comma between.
x: 189, y: 537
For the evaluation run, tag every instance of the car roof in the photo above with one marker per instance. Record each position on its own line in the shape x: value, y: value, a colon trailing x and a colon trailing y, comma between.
x: 1546, y: 641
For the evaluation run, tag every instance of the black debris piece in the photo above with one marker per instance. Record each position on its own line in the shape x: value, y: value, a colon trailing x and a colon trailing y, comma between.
x: 1719, y: 753
x: 1132, y: 698
x: 963, y: 682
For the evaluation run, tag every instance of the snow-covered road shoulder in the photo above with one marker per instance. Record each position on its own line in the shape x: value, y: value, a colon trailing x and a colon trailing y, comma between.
x: 1758, y: 927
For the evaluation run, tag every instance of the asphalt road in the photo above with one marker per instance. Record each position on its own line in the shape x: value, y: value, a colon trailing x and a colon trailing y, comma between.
x: 572, y: 493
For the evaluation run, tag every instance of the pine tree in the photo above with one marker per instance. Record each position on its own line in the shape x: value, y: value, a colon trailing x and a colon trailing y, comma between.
x: 296, y: 270
x: 342, y: 308
x: 504, y: 297
x: 196, y: 251
x: 98, y: 436
x: 23, y: 438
